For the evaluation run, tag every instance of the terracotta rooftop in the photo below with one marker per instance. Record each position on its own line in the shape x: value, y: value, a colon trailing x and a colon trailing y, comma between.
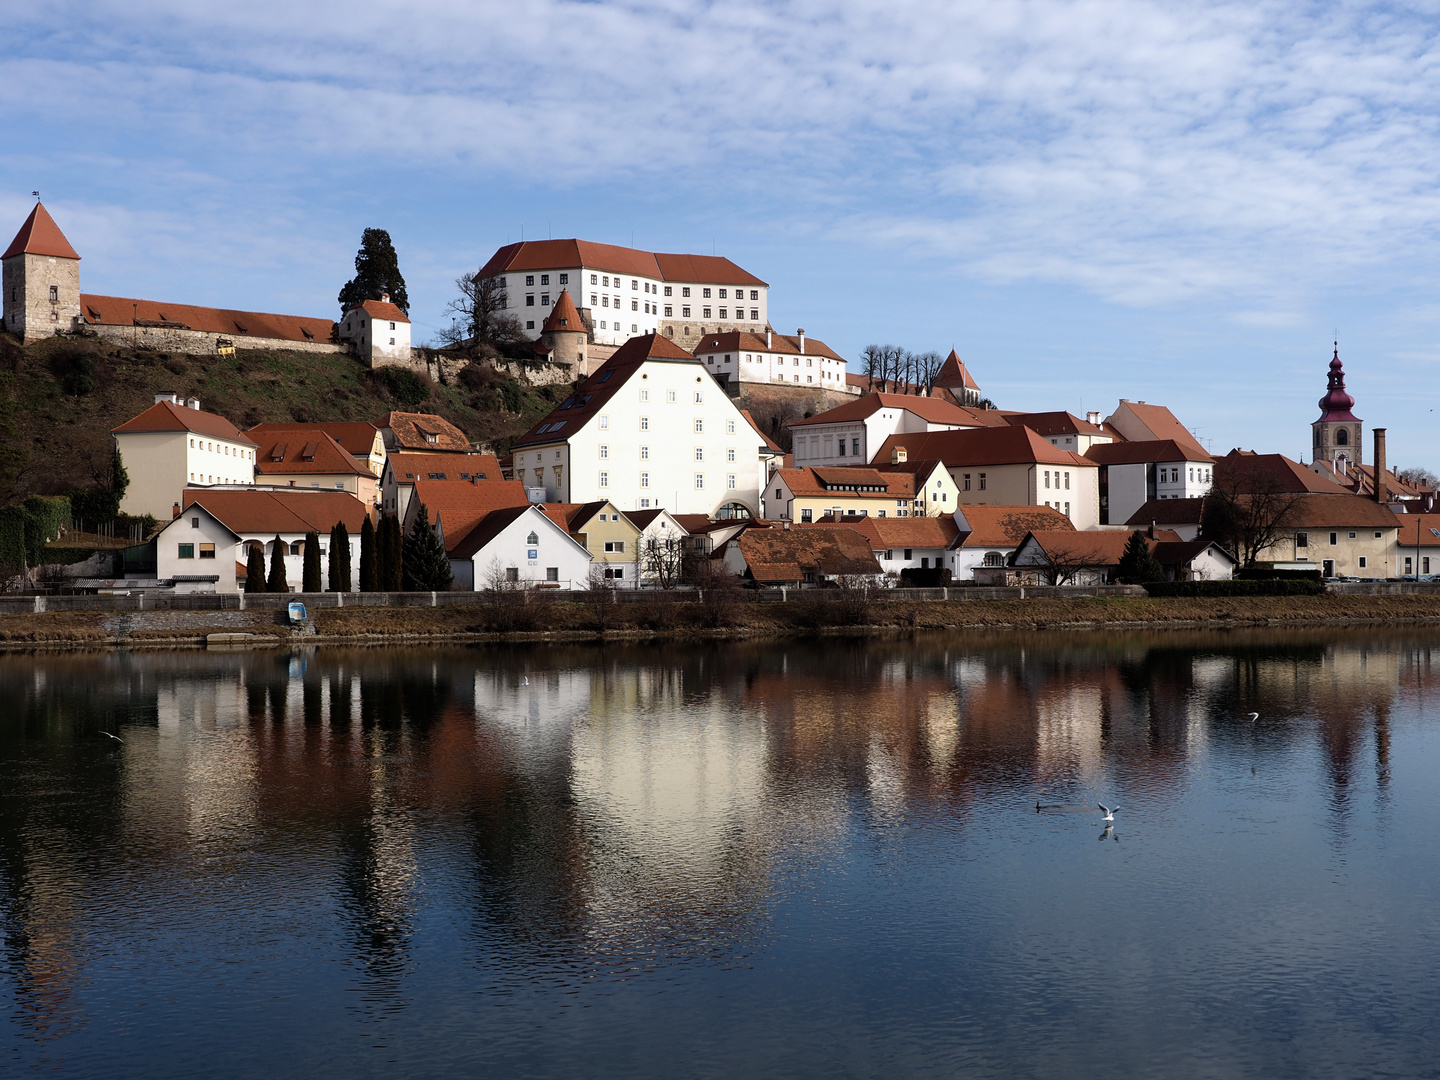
x: 576, y: 410
x: 1093, y: 548
x: 384, y: 311
x: 560, y: 254
x: 1161, y: 423
x: 259, y: 513
x: 1250, y: 473
x: 407, y: 468
x: 894, y: 532
x: 1343, y: 511
x: 1006, y: 526
x: 983, y: 446
x: 852, y: 483
x: 1419, y: 530
x: 356, y: 436
x: 284, y: 453
x: 931, y: 410
x: 165, y: 416
x: 124, y: 311
x: 1135, y: 453
x: 954, y: 373
x: 40, y: 236
x: 424, y: 432
x: 563, y: 316
x: 458, y: 505
x: 781, y: 555
x: 738, y: 341
x: 1056, y: 423
x: 1167, y: 512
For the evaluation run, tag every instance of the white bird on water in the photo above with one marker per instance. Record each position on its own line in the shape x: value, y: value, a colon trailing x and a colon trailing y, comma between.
x: 525, y: 680
x: 1109, y: 811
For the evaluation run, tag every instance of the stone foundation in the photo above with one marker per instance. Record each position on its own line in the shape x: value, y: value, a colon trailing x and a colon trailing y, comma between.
x: 198, y: 342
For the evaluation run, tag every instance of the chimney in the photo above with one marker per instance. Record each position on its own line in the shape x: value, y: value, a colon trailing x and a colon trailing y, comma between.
x: 174, y: 511
x: 384, y: 297
x: 786, y: 525
x: 1381, y: 495
x: 1092, y: 418
x: 897, y: 455
x: 193, y: 403
x: 768, y: 334
x: 1152, y: 530
x: 167, y: 395
x: 801, y: 333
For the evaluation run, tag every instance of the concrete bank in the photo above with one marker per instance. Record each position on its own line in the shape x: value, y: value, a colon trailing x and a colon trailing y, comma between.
x: 665, y: 618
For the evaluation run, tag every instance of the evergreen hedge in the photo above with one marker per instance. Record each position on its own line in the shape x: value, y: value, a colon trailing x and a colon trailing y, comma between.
x: 1256, y: 587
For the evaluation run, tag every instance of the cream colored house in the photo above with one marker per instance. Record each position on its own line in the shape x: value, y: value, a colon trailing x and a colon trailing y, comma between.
x: 172, y: 446
x: 1009, y: 466
x: 612, y: 539
x: 807, y: 495
x: 851, y: 434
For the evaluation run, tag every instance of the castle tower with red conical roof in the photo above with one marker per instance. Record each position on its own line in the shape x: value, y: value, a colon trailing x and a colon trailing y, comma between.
x: 564, y: 336
x: 41, y: 279
x: 1338, y: 433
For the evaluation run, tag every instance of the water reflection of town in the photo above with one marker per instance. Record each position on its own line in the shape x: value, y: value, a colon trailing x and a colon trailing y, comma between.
x: 611, y: 810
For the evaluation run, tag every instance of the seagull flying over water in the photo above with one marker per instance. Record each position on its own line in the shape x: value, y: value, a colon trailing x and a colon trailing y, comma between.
x: 1109, y: 811
x: 109, y: 736
x: 525, y: 680
x: 1252, y: 717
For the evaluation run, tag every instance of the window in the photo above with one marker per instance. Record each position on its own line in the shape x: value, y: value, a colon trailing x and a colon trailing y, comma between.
x: 207, y: 551
x: 614, y: 547
x: 1302, y: 539
x: 965, y: 483
x: 724, y: 313
x: 1351, y: 536
x: 842, y: 448
x: 670, y: 396
x: 544, y: 279
x: 644, y: 479
x: 512, y: 573
x: 533, y: 539
x: 982, y: 481
x: 754, y: 294
x: 55, y: 292
x: 722, y: 294
x: 552, y: 573
x: 699, y: 397
x: 644, y: 453
x: 1377, y: 534
x: 1067, y: 483
x: 529, y: 279
x: 594, y: 299
x: 644, y: 423
x: 606, y: 281
x: 729, y: 427
x: 604, y: 422
x: 195, y: 523
x: 1334, y: 539
x: 644, y: 395
x: 1047, y: 478
x: 604, y: 451
x: 685, y: 311
x: 530, y: 324
x: 564, y: 279
x: 729, y: 453
x: 604, y: 479
x: 699, y: 426
x: 699, y: 453
x: 392, y: 327
x: 669, y: 311
x: 754, y: 313
x: 634, y: 305
x: 1362, y: 562
x: 187, y: 551
x: 730, y: 481
x: 699, y: 481
x: 634, y: 284
x: 855, y: 447
x: 545, y: 299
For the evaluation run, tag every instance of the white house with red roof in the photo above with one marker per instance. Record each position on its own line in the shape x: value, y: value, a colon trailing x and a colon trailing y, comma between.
x: 851, y: 434
x: 650, y: 428
x: 1133, y: 473
x: 622, y: 292
x: 736, y: 357
x: 174, y: 445
x: 377, y: 331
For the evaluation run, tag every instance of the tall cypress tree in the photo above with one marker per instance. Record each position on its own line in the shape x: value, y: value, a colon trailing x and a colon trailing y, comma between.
x: 276, y: 581
x: 310, y: 577
x: 255, y: 570
x: 377, y: 271
x: 339, y: 569
x: 394, y: 564
x: 426, y: 566
x: 369, y: 558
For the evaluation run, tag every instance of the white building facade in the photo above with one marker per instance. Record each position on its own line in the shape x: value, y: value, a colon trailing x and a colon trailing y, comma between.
x: 736, y: 356
x: 651, y: 428
x: 622, y: 292
x: 377, y: 331
x: 174, y: 445
x: 850, y: 434
x: 519, y: 545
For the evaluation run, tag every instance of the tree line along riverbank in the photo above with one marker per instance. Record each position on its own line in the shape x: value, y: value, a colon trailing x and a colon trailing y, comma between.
x: 667, y: 617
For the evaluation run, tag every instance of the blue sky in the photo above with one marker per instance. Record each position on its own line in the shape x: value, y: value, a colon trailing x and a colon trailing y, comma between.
x: 1179, y: 203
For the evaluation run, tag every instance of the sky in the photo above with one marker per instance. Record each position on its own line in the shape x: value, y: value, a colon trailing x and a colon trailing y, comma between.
x: 1177, y: 203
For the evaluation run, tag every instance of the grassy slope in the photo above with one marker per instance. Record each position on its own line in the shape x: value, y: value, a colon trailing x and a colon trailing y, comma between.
x: 66, y: 435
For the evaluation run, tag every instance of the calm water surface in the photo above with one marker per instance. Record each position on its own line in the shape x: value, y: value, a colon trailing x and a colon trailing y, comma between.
x: 820, y: 859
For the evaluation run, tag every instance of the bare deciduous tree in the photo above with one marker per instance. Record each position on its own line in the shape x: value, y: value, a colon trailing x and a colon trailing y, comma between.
x: 1246, y: 510
x: 480, y: 314
x: 664, y: 561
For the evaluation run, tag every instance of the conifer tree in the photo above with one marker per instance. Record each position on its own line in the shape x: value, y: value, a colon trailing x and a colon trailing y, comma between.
x: 255, y: 570
x: 310, y: 574
x: 1137, y: 565
x: 276, y: 581
x: 426, y: 566
x: 369, y: 558
x: 393, y: 576
x: 377, y: 271
x: 339, y: 569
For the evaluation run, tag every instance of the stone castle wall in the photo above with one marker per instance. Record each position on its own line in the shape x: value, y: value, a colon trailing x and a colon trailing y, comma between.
x: 199, y: 342
x: 32, y: 314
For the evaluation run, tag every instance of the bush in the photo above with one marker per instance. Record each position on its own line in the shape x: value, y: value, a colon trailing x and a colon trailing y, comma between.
x: 45, y: 516
x: 406, y: 389
x: 12, y: 539
x: 1258, y: 587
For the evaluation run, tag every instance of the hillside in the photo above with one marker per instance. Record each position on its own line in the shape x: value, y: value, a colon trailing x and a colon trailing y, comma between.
x: 60, y: 397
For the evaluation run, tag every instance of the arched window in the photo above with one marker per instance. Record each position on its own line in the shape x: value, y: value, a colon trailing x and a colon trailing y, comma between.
x: 732, y: 511
x: 533, y: 538
x: 1342, y: 437
x: 993, y: 558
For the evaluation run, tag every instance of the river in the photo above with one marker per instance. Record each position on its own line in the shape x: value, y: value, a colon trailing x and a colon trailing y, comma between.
x: 822, y: 858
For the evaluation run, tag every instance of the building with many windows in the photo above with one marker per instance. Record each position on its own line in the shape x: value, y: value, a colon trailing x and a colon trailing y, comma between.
x: 172, y: 446
x: 735, y: 357
x: 650, y: 428
x: 622, y: 292
x: 851, y: 433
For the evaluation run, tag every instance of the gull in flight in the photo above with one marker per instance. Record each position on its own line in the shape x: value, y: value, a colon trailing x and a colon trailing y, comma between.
x: 1109, y: 811
x: 1252, y: 717
x: 109, y: 736
x: 525, y: 680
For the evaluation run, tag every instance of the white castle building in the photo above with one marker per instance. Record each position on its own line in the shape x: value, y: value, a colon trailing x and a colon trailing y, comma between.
x: 624, y: 292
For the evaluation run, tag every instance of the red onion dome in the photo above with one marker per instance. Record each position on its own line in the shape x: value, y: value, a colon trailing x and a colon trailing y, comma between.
x: 1336, y: 404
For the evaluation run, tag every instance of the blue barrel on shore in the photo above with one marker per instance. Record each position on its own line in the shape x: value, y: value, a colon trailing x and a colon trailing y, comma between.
x: 297, y: 612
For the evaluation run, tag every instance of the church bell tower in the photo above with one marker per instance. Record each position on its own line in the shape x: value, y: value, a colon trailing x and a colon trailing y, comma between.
x: 1337, y: 434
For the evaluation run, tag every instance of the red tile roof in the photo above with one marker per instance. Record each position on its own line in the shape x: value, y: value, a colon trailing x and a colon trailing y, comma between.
x: 810, y: 480
x: 165, y: 416
x: 356, y: 436
x: 780, y: 555
x: 1250, y: 473
x: 1058, y: 423
x: 1135, y: 453
x: 407, y: 468
x: 276, y: 512
x: 1168, y: 512
x: 123, y: 311
x: 982, y: 446
x: 459, y: 505
x: 895, y: 532
x: 305, y: 452
x: 930, y: 409
x: 1006, y: 526
x: 1093, y: 548
x: 954, y: 373
x: 560, y: 254
x: 563, y: 317
x: 40, y: 236
x: 410, y: 430
x: 1162, y: 424
x: 738, y: 341
x: 1419, y: 530
x: 384, y: 311
x: 1344, y: 511
x: 575, y: 411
